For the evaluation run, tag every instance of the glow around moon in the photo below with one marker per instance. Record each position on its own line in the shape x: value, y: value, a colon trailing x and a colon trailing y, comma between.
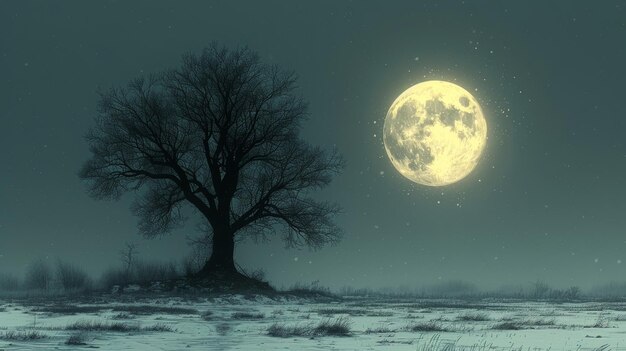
x: 435, y: 133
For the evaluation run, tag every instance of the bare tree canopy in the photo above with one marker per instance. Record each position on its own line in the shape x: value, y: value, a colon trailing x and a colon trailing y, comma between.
x: 220, y: 134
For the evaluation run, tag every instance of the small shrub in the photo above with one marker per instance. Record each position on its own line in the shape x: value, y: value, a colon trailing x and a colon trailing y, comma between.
x: 507, y: 326
x: 337, y: 327
x: 78, y: 339
x: 159, y: 327
x: 427, y: 327
x: 600, y: 323
x: 283, y: 331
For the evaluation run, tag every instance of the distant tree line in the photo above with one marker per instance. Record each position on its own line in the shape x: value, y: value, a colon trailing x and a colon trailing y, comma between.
x: 58, y: 276
x: 43, y: 276
x: 62, y: 277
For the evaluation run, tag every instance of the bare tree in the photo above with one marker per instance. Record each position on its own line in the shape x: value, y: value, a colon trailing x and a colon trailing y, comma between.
x: 220, y: 134
x: 38, y: 275
x: 128, y: 256
x: 71, y: 277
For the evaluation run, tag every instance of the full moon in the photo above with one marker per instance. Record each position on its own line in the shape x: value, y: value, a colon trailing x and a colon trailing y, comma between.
x: 435, y: 133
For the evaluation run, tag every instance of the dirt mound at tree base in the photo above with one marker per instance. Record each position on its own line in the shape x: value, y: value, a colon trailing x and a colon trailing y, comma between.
x: 211, y: 283
x: 228, y: 282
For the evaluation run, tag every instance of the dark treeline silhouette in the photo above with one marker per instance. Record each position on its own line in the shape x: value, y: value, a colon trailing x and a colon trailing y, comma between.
x: 58, y: 277
x: 44, y: 276
x: 220, y: 135
x: 456, y: 289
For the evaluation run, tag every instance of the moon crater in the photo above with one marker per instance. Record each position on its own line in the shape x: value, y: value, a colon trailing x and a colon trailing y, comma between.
x: 434, y: 133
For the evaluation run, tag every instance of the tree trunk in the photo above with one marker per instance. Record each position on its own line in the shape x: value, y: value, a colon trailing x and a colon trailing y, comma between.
x: 220, y: 273
x: 222, y: 261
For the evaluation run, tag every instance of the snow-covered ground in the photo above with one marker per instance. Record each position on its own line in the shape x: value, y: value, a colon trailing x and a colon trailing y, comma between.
x: 242, y: 323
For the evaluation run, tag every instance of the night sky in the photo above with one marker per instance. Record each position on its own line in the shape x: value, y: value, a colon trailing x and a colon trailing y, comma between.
x: 545, y: 202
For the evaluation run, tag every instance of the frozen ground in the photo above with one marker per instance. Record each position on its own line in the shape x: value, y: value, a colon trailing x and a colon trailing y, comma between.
x: 242, y: 323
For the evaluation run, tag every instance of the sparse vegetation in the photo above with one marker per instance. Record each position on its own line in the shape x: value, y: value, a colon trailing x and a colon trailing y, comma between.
x: 29, y: 335
x: 507, y: 326
x: 70, y: 277
x: 78, y: 339
x: 434, y: 343
x: 38, y: 276
x: 103, y: 326
x: 68, y: 280
x: 159, y: 327
x: 283, y: 331
x: 93, y: 325
x: 511, y: 324
x: 132, y: 309
x: 336, y: 327
x: 141, y: 273
x: 426, y: 327
x: 464, y: 290
x: 601, y: 322
x: 310, y: 321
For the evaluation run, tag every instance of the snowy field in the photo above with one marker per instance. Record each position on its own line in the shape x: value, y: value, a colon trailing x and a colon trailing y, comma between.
x: 261, y: 323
